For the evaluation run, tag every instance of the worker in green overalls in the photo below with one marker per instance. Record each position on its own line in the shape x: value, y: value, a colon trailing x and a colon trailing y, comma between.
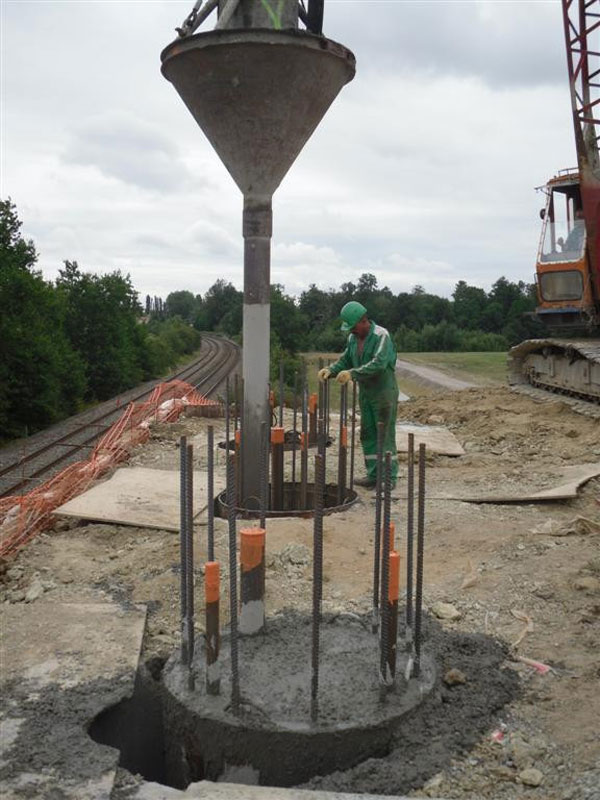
x: 369, y: 359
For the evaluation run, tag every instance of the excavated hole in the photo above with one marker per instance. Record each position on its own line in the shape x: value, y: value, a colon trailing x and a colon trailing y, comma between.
x: 173, y: 736
x: 292, y: 502
x: 135, y: 726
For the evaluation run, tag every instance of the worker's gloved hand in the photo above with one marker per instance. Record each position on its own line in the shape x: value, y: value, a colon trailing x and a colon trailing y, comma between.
x: 324, y: 374
x: 344, y: 376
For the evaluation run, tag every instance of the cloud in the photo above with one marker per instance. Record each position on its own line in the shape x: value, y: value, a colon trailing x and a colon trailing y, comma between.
x: 125, y: 147
x: 505, y: 44
x: 211, y: 240
x: 422, y: 171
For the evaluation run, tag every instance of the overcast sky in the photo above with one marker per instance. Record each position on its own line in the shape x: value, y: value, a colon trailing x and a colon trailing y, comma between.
x: 422, y: 172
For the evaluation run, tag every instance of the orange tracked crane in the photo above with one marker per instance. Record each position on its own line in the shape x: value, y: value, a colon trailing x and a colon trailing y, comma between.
x: 568, y: 258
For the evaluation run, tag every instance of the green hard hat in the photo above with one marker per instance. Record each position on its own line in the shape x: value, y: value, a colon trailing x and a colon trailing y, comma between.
x: 351, y: 313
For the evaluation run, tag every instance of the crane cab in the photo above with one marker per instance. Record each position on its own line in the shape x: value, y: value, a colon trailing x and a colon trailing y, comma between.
x: 564, y: 285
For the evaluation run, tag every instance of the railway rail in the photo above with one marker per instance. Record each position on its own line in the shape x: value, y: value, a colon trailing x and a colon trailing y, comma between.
x: 29, y: 462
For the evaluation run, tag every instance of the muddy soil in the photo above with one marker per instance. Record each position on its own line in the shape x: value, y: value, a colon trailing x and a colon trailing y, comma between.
x: 523, y: 575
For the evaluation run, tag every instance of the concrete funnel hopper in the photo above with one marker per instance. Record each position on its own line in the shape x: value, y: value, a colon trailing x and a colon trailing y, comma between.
x: 258, y: 95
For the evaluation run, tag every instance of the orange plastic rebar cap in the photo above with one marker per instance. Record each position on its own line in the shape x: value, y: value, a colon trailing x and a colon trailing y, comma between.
x: 252, y: 547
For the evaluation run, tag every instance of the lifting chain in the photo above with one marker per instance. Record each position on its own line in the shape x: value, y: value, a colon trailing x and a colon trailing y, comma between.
x: 196, y: 17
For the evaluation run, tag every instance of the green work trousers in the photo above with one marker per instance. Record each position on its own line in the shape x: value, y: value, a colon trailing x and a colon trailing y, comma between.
x: 378, y: 406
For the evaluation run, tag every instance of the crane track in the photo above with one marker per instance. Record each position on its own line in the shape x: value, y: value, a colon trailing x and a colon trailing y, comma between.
x: 537, y: 378
x: 30, y: 462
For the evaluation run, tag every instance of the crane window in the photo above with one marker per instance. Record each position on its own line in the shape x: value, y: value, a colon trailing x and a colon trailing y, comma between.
x: 567, y: 285
x: 563, y: 236
x: 563, y: 242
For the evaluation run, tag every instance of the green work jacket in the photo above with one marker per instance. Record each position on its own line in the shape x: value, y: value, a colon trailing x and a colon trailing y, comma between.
x: 375, y: 367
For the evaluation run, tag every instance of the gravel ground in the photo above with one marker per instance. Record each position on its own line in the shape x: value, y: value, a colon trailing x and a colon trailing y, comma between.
x: 502, y: 582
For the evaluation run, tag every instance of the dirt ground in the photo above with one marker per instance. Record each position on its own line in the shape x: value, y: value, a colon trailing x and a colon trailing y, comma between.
x: 527, y: 575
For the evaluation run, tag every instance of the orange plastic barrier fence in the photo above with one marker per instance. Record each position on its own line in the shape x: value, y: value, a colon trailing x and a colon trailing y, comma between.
x: 23, y: 516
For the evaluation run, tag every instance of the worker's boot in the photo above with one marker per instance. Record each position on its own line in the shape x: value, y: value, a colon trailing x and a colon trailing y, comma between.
x: 367, y: 483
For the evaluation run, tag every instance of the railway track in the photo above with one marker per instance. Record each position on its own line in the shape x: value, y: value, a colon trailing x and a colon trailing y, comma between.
x: 29, y: 462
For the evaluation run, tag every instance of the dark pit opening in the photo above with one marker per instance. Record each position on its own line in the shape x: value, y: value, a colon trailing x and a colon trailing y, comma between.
x: 334, y: 502
x: 135, y: 726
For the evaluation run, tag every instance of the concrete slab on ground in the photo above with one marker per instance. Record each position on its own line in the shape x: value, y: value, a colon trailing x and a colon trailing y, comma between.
x: 574, y: 477
x: 205, y: 790
x: 437, y: 439
x: 63, y: 663
x: 147, y: 498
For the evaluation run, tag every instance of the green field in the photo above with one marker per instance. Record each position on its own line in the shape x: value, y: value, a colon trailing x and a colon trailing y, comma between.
x: 484, y: 369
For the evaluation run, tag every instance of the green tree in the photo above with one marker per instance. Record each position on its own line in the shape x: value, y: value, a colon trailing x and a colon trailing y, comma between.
x: 469, y: 305
x: 181, y: 304
x: 102, y: 324
x: 288, y: 322
x: 220, y: 309
x: 41, y: 377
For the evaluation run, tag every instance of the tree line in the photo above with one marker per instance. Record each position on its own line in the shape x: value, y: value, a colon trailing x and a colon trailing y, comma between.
x: 70, y: 343
x: 85, y: 337
x: 471, y: 320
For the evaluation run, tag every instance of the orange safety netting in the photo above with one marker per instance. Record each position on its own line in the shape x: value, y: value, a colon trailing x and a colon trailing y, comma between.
x: 22, y: 516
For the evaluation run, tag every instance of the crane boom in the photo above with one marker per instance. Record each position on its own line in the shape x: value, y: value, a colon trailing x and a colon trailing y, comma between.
x: 581, y: 20
x: 568, y: 262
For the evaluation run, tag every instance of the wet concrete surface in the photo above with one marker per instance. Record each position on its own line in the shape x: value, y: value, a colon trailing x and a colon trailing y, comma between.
x: 446, y: 726
x: 415, y: 742
x: 272, y: 737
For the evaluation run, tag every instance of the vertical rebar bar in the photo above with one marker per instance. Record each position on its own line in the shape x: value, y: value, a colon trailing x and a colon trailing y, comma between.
x: 264, y: 472
x: 183, y: 517
x: 237, y: 449
x: 320, y: 387
x: 277, y: 467
x: 343, y: 446
x: 210, y: 507
x: 294, y: 443
x: 227, y: 419
x: 410, y: 515
x: 322, y: 427
x: 353, y: 436
x: 190, y: 562
x: 420, y: 556
x: 281, y: 394
x: 377, y: 542
x: 240, y: 487
x: 236, y: 409
x: 317, y: 583
x: 304, y: 451
x: 327, y: 409
x: 385, y: 576
x: 321, y: 449
x: 233, y: 590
